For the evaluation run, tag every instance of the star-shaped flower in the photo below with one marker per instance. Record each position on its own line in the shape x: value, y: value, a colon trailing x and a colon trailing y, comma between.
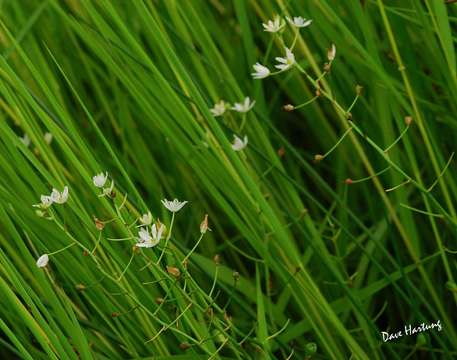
x: 299, y: 21
x: 239, y: 144
x: 219, y: 108
x: 245, y: 106
x: 175, y: 205
x: 286, y: 62
x: 261, y: 71
x: 59, y: 197
x: 273, y: 25
x: 100, y: 179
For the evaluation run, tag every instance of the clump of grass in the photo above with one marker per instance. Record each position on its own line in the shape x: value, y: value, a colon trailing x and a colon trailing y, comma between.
x: 319, y: 214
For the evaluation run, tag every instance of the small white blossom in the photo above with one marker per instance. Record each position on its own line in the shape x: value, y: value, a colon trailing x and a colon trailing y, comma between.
x: 59, y: 197
x: 100, y: 179
x: 239, y: 144
x: 245, y: 106
x: 150, y: 239
x: 146, y: 219
x: 25, y: 140
x: 42, y: 261
x: 46, y: 201
x: 299, y: 21
x: 261, y: 71
x: 331, y: 53
x: 286, y: 62
x: 175, y: 205
x: 219, y: 108
x: 48, y: 138
x: 273, y: 25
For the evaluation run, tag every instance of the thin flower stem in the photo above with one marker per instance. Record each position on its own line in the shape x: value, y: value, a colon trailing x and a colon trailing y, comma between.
x: 353, y: 103
x: 370, y: 177
x: 98, y: 242
x: 397, y: 140
x: 305, y: 103
x: 421, y: 211
x: 166, y: 327
x: 337, y: 143
x: 297, y: 33
x: 63, y: 249
x: 441, y: 174
x: 243, y: 122
x: 398, y: 186
x: 167, y: 239
x: 193, y: 249
x: 125, y: 270
x: 216, y: 272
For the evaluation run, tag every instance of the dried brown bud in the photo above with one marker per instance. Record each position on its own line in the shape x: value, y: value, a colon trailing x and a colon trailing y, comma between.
x: 358, y: 89
x: 318, y: 157
x: 331, y: 53
x: 85, y: 253
x: 408, y: 120
x: 327, y: 67
x: 185, y: 263
x: 204, y: 225
x: 217, y: 259
x: 288, y: 107
x: 174, y: 271
x: 348, y: 181
x: 100, y: 225
x: 80, y: 287
x: 115, y: 314
x: 184, y: 346
x: 318, y: 92
x: 281, y: 151
x: 159, y: 300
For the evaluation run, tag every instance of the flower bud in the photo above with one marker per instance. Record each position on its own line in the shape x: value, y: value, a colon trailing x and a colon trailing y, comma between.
x: 318, y: 157
x: 204, y: 225
x: 408, y: 120
x: 184, y: 346
x: 80, y: 287
x: 236, y: 276
x: 281, y: 151
x: 310, y: 348
x: 159, y: 300
x: 174, y: 271
x: 288, y: 107
x: 217, y: 259
x: 348, y: 181
x: 99, y: 224
x: 115, y: 314
x: 358, y: 89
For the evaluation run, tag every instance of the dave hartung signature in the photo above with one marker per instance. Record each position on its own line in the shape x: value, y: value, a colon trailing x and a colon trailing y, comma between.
x: 410, y: 330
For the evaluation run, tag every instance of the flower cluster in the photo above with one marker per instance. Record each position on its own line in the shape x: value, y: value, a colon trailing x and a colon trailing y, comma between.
x: 221, y: 107
x: 56, y: 197
x: 284, y: 63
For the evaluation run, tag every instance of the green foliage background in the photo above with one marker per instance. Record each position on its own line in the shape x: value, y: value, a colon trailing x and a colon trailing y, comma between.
x: 321, y: 266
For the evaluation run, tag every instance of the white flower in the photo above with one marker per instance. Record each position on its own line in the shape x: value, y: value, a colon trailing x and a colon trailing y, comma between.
x: 219, y: 108
x: 59, y: 197
x: 261, y: 71
x: 46, y: 201
x: 331, y: 53
x: 150, y: 239
x: 286, y: 62
x: 146, y: 219
x: 48, y: 138
x: 239, y: 144
x: 25, y: 140
x: 245, y: 106
x: 273, y: 25
x: 175, y: 205
x: 299, y: 22
x: 100, y: 179
x: 42, y: 261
